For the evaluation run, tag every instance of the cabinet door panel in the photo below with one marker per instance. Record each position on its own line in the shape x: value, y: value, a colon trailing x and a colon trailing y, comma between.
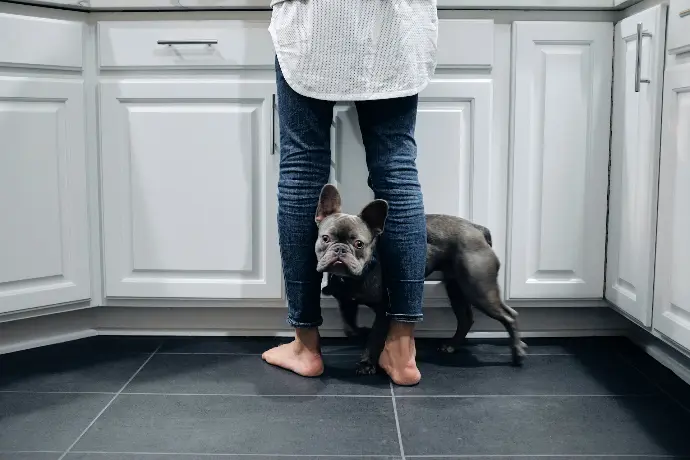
x: 453, y: 135
x: 635, y: 164
x: 560, y: 157
x: 672, y: 280
x: 44, y: 231
x: 189, y: 190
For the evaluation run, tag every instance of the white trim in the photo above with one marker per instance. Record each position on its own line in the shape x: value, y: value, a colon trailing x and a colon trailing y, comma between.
x: 270, y: 321
x: 47, y: 340
x: 96, y: 5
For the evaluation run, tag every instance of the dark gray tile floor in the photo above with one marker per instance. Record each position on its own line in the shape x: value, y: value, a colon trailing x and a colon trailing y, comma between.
x: 205, y: 399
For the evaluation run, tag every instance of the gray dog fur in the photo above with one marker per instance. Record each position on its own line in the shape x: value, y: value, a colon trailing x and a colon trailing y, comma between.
x: 459, y: 249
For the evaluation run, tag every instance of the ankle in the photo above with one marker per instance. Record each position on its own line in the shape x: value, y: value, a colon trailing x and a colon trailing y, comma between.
x: 308, y: 339
x: 400, y: 333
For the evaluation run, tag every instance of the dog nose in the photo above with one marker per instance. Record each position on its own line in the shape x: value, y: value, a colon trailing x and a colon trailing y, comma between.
x: 339, y: 250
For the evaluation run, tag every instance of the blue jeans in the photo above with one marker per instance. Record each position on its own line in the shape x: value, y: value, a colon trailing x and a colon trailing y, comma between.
x: 387, y: 128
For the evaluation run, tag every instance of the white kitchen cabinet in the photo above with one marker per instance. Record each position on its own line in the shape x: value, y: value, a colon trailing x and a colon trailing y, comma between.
x: 672, y: 282
x: 679, y: 27
x: 29, y: 41
x: 634, y: 172
x: 44, y: 239
x: 453, y: 134
x: 189, y: 189
x: 562, y: 93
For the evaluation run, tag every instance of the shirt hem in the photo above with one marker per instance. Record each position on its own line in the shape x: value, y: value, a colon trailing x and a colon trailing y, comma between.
x: 299, y: 89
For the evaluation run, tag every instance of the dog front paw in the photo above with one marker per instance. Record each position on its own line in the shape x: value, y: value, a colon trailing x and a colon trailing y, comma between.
x: 448, y: 348
x: 365, y: 368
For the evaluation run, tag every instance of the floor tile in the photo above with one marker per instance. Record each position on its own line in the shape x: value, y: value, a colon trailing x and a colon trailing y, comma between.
x: 661, y: 376
x: 139, y: 456
x: 536, y: 346
x: 251, y: 345
x: 543, y: 426
x: 103, y: 344
x: 30, y: 455
x: 470, y: 374
x: 88, y: 370
x: 245, y: 425
x: 250, y: 375
x: 45, y: 422
x: 231, y: 345
x: 120, y: 344
x: 560, y: 457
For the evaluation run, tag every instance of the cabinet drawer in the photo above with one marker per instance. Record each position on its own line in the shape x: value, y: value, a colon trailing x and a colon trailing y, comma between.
x: 465, y: 43
x: 678, y: 27
x: 180, y: 44
x: 31, y: 42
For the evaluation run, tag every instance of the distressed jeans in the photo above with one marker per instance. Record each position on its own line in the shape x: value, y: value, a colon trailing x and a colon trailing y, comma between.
x: 387, y: 128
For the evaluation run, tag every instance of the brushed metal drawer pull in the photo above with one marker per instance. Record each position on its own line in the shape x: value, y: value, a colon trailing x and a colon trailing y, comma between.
x: 684, y: 13
x: 274, y: 147
x: 187, y: 42
x: 638, y: 59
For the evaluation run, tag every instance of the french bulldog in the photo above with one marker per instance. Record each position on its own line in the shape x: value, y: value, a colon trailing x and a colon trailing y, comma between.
x: 459, y: 249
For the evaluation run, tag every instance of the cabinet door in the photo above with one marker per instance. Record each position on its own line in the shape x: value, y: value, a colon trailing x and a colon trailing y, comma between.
x: 560, y: 154
x: 672, y: 280
x: 634, y: 175
x: 44, y: 236
x: 189, y: 189
x: 453, y: 135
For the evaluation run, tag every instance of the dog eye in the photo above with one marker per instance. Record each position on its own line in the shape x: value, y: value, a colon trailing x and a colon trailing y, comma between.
x: 325, y: 238
x: 359, y: 244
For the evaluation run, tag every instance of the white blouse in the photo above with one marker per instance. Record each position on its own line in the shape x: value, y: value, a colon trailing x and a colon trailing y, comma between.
x: 354, y: 50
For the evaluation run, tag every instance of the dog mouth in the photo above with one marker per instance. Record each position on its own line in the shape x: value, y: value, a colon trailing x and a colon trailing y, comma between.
x: 336, y: 266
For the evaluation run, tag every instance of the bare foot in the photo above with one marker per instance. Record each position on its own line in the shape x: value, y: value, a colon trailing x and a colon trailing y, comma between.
x: 301, y: 356
x: 398, y: 356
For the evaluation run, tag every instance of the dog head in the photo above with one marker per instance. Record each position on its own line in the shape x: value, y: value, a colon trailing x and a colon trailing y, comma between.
x: 346, y: 242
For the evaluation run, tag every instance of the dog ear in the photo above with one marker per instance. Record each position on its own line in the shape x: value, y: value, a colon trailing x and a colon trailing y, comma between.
x: 329, y: 203
x: 374, y: 215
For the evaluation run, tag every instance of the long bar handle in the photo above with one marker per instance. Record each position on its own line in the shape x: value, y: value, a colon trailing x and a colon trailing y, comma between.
x: 638, y: 58
x: 684, y: 13
x: 187, y: 42
x: 273, y: 124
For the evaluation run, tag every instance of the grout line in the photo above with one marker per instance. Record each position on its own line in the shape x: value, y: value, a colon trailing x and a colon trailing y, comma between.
x: 584, y: 456
x: 286, y: 395
x: 653, y: 382
x: 64, y: 454
x: 207, y: 454
x: 397, y: 423
x: 59, y: 392
x: 631, y: 395
x: 225, y: 353
x: 250, y: 395
x: 326, y: 354
x: 409, y: 457
x: 2, y: 452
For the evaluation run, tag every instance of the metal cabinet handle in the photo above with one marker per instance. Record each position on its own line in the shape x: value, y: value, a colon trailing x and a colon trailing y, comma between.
x: 684, y: 13
x: 638, y: 58
x: 273, y: 124
x: 187, y: 42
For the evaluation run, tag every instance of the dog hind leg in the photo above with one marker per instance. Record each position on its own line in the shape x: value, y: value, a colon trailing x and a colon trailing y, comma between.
x: 462, y: 310
x: 491, y: 305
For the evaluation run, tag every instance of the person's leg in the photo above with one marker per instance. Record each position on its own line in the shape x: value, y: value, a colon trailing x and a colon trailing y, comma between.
x: 388, y: 133
x: 305, y: 161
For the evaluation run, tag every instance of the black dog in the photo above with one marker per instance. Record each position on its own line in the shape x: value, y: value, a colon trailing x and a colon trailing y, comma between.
x: 459, y: 249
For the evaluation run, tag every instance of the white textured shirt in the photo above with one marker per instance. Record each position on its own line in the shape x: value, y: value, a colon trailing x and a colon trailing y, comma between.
x: 355, y: 49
